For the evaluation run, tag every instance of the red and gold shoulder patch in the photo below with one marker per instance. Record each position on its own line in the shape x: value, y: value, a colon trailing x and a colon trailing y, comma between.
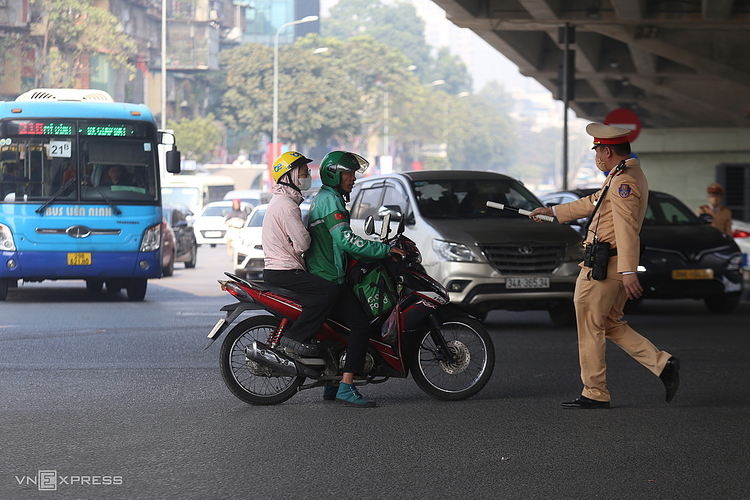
x: 624, y: 190
x: 339, y: 216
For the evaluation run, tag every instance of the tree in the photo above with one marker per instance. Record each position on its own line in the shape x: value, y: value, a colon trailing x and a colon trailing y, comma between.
x: 452, y: 70
x: 381, y: 75
x: 69, y: 32
x: 316, y: 99
x: 396, y: 25
x: 481, y: 134
x: 197, y: 138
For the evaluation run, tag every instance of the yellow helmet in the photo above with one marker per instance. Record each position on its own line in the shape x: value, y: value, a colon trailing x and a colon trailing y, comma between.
x: 286, y: 162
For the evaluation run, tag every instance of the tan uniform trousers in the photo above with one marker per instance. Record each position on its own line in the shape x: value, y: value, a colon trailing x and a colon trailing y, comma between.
x: 599, y: 306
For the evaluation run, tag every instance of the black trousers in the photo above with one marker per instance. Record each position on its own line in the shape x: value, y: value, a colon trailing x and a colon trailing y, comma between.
x: 316, y: 295
x: 348, y: 311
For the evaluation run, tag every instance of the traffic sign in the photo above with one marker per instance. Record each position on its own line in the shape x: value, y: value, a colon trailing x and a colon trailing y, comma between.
x: 625, y: 118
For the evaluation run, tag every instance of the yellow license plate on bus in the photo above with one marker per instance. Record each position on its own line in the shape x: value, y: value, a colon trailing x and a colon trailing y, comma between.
x: 692, y: 274
x: 79, y: 259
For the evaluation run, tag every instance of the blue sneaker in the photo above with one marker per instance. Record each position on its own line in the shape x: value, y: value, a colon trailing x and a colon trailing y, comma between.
x: 350, y: 396
x: 329, y: 392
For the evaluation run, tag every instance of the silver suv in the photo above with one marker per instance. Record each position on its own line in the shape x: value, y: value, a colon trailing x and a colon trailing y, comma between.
x: 486, y: 258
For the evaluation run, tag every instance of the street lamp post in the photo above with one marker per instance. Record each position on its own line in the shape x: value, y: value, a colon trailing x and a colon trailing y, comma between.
x: 275, y: 136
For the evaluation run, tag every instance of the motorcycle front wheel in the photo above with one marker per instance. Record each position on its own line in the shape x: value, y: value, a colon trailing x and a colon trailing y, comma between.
x: 249, y: 381
x: 469, y: 342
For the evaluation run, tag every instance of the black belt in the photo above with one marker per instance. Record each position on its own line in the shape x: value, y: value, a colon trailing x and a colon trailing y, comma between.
x: 613, y: 252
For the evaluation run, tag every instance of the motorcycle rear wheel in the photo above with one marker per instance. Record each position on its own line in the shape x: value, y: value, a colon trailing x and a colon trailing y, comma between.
x: 247, y: 380
x: 469, y: 341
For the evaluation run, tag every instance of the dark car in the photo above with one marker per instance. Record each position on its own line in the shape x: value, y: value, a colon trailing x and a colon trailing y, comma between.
x: 683, y: 257
x: 183, y: 246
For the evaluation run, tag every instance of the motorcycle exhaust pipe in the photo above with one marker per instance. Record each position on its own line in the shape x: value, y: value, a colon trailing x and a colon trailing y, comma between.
x: 264, y: 355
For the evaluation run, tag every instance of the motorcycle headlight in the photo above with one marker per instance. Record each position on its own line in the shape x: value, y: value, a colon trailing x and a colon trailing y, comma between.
x: 6, y: 239
x: 453, y: 252
x: 151, y: 239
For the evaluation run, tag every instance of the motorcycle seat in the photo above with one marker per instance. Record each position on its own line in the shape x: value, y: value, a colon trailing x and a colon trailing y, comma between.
x: 265, y: 286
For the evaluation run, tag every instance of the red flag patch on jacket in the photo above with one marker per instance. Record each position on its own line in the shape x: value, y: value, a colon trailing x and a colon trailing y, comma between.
x: 339, y: 216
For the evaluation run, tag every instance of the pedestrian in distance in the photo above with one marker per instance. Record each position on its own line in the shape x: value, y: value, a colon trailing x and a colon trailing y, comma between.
x: 608, y: 274
x: 715, y: 212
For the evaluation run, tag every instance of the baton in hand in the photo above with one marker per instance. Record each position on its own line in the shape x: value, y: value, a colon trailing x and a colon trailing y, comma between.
x: 521, y: 211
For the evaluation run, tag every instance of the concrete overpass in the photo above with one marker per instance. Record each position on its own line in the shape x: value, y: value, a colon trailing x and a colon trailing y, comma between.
x: 682, y: 66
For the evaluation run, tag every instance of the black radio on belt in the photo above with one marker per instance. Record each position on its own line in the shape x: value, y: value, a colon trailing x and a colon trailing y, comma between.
x: 596, y: 256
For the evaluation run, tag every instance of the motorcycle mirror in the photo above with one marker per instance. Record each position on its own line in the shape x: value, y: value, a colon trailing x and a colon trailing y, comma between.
x: 386, y: 227
x: 370, y: 225
x: 394, y: 210
x: 401, y: 227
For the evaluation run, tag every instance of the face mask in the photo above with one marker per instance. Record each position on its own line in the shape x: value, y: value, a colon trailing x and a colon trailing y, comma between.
x: 305, y: 183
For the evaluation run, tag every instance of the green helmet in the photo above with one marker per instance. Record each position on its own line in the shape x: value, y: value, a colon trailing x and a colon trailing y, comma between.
x: 335, y: 162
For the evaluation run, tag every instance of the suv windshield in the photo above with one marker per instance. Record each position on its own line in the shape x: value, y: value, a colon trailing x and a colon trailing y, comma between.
x: 461, y: 198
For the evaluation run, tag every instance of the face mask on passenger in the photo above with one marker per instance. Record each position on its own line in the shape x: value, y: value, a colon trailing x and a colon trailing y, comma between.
x: 304, y: 183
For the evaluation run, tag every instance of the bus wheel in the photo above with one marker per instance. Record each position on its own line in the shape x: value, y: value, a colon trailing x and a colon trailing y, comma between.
x: 4, y: 288
x: 94, y: 286
x: 136, y: 289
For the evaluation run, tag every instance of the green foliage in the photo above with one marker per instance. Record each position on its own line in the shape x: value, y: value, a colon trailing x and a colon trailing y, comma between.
x: 395, y: 24
x: 316, y: 99
x: 452, y: 70
x: 72, y: 30
x: 481, y: 135
x: 197, y: 138
x: 379, y: 73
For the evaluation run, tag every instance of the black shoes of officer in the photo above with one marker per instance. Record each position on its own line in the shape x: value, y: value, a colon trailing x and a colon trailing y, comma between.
x: 670, y: 377
x: 300, y: 348
x: 584, y: 403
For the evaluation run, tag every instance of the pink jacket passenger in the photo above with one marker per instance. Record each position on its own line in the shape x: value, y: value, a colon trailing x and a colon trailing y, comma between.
x: 285, y: 238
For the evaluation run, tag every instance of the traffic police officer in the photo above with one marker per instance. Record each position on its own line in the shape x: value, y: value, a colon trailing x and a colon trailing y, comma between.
x: 720, y: 215
x: 599, y: 303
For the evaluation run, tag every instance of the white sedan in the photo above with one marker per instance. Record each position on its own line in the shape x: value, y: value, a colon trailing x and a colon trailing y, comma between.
x: 248, y: 252
x: 210, y: 226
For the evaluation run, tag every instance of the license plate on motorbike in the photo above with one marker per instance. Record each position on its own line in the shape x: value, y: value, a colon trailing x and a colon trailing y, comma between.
x: 692, y: 274
x: 527, y: 283
x: 217, y: 328
x: 79, y: 259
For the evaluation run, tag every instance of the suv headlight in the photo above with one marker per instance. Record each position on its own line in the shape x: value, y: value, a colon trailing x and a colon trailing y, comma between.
x: 453, y: 252
x: 151, y: 239
x: 6, y: 239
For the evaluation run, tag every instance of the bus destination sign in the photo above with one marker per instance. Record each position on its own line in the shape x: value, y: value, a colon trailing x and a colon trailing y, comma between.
x: 28, y: 127
x: 112, y: 130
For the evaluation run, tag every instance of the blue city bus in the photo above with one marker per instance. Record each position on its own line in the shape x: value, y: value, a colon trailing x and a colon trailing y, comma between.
x: 79, y: 190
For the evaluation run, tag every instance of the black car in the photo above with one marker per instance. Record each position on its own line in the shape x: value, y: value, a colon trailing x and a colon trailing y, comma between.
x: 683, y: 257
x: 185, y: 245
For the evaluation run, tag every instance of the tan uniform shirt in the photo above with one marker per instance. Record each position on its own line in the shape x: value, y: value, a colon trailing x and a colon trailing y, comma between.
x: 619, y: 219
x: 721, y: 217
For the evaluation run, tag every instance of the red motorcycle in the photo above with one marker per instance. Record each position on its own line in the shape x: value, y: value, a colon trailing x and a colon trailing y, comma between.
x: 414, y: 328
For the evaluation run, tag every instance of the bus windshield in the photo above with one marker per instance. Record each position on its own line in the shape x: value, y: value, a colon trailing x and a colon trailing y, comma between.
x: 83, y: 161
